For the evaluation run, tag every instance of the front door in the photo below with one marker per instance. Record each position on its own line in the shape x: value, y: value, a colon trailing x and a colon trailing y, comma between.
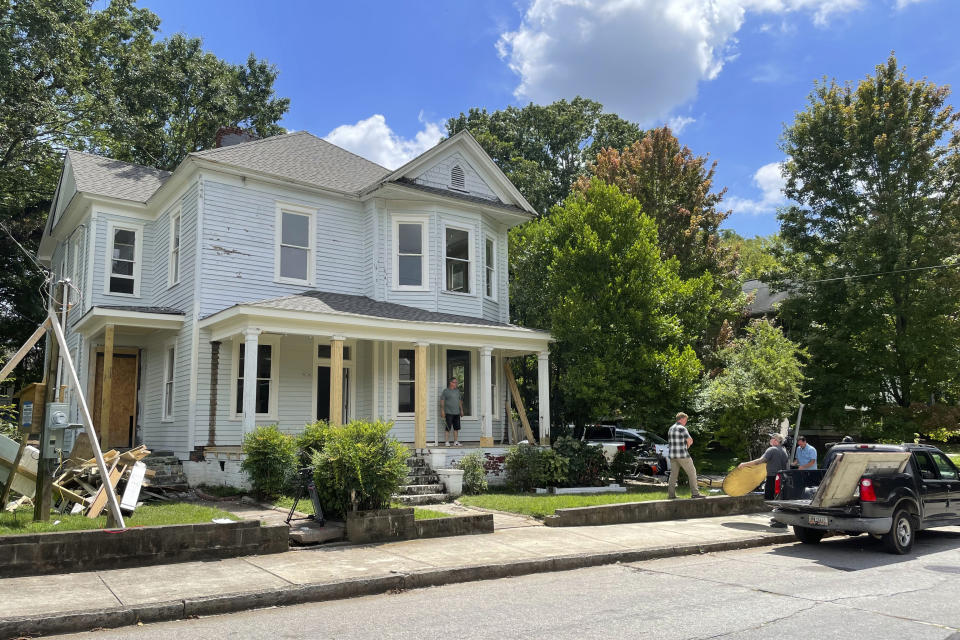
x: 118, y: 432
x: 323, y: 394
x: 934, y: 490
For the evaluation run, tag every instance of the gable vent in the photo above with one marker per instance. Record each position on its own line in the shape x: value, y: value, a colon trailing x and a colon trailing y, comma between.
x: 457, y: 179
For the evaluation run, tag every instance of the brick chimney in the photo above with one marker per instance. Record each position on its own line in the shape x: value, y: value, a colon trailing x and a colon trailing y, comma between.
x: 227, y: 136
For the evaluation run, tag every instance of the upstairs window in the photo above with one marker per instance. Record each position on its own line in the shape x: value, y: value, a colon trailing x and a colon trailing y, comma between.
x: 294, y: 245
x: 410, y: 253
x: 123, y: 267
x: 173, y: 270
x: 490, y: 267
x: 457, y: 243
x: 457, y: 179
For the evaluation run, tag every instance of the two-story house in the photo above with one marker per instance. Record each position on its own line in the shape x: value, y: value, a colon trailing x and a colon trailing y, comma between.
x: 286, y: 280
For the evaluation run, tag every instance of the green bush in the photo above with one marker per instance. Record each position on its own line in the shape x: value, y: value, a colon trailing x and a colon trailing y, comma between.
x: 270, y: 456
x: 622, y: 464
x: 528, y: 467
x: 474, y: 473
x: 587, y: 464
x: 359, y: 467
x: 312, y: 439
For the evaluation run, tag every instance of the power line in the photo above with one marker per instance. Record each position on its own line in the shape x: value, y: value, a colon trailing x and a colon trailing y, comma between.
x: 881, y: 273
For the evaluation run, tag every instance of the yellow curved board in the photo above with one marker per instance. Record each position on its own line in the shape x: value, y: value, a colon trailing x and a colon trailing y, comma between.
x: 740, y: 482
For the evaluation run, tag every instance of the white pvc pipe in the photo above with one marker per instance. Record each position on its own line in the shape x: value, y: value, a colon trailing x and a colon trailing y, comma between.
x: 88, y: 423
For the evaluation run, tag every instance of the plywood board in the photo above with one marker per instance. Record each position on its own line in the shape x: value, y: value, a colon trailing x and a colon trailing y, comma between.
x: 100, y: 500
x: 843, y: 477
x: 123, y: 400
x: 740, y: 482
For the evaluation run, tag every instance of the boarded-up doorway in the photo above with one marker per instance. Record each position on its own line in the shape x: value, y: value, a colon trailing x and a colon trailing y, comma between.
x: 121, y: 428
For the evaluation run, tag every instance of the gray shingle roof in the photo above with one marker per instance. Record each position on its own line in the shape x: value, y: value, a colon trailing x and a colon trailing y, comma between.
x: 303, y: 157
x: 325, y: 302
x: 126, y: 307
x: 113, y: 178
x: 764, y: 300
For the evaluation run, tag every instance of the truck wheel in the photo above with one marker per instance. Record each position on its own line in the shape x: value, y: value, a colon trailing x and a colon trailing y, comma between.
x: 899, y: 539
x: 806, y: 535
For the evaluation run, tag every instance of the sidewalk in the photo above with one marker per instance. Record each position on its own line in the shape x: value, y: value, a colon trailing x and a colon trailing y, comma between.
x: 80, y: 601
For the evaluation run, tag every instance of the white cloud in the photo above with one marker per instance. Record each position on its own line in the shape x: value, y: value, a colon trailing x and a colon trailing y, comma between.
x: 641, y: 58
x: 374, y: 140
x: 770, y: 183
x: 678, y: 123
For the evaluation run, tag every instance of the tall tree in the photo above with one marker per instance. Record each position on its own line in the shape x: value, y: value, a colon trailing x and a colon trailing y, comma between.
x: 673, y: 187
x: 543, y: 149
x: 875, y: 172
x: 757, y: 258
x: 76, y: 78
x: 623, y: 318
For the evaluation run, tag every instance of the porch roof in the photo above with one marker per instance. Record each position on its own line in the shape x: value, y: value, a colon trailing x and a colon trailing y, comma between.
x: 326, y: 313
x: 129, y: 317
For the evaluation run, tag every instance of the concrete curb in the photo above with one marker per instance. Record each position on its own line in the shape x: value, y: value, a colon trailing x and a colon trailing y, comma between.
x: 76, y: 621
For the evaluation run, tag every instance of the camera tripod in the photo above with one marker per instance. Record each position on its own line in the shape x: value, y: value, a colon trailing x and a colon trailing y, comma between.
x: 306, y: 482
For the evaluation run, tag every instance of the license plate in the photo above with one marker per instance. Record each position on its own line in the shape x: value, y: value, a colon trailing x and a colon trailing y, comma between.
x: 821, y: 520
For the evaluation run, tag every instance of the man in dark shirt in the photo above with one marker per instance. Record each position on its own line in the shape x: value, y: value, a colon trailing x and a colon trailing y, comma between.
x: 776, y: 459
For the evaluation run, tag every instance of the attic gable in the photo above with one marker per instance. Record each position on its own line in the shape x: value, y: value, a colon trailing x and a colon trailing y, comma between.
x: 455, y: 173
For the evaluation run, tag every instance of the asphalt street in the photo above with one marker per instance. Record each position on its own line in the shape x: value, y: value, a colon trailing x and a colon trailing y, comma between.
x: 842, y: 588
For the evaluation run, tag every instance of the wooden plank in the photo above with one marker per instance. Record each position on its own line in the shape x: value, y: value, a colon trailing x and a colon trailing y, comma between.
x: 134, y: 455
x: 336, y: 381
x: 510, y: 423
x: 518, y: 401
x: 132, y: 491
x: 843, y: 475
x: 420, y: 401
x: 100, y: 500
x: 66, y: 494
x: 22, y: 351
x: 82, y: 451
x: 106, y: 386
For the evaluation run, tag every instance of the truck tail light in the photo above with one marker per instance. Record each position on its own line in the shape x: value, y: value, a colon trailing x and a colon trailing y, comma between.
x: 777, y: 485
x: 867, y: 493
x: 621, y: 447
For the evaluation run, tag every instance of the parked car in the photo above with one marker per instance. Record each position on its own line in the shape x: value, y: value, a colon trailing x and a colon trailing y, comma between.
x: 856, y: 494
x: 614, y: 438
x: 655, y: 443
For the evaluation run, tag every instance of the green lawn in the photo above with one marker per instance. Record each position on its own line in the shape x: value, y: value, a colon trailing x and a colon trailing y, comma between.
x: 540, y: 505
x: 145, y: 516
x: 306, y: 506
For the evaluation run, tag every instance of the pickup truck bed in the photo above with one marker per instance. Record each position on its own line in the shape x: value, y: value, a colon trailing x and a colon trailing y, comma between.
x: 889, y: 491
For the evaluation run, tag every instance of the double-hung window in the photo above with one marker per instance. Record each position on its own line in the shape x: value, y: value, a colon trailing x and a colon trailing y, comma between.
x: 490, y: 267
x: 410, y: 253
x: 169, y: 363
x: 123, y: 264
x: 457, y: 259
x: 265, y: 379
x: 406, y: 381
x: 294, y: 245
x: 173, y: 262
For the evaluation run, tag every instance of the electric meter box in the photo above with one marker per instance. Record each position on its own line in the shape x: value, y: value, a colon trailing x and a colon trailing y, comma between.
x: 58, y: 421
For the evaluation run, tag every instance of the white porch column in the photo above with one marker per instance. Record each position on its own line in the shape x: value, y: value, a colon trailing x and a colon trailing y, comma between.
x: 251, y: 338
x: 486, y: 410
x: 543, y: 389
x: 336, y: 380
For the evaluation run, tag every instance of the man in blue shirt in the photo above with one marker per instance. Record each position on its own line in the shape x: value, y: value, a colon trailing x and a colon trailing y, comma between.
x: 806, y: 456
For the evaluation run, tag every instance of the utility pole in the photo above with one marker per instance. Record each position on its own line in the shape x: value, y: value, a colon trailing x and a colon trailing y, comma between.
x: 43, y: 497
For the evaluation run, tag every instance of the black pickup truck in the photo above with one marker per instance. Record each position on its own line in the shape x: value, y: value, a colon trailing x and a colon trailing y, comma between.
x: 889, y: 503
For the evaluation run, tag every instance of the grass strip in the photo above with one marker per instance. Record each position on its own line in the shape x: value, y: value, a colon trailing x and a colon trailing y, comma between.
x: 148, y: 515
x: 541, y: 505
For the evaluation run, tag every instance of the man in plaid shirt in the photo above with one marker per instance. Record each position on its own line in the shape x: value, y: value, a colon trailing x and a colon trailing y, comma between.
x: 679, y: 440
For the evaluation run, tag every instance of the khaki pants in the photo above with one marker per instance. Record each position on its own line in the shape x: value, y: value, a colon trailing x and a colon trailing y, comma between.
x: 687, y: 465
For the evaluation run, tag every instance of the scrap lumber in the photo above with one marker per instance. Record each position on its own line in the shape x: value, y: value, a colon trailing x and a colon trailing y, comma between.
x: 22, y: 477
x: 518, y: 401
x: 8, y: 485
x: 131, y: 492
x: 100, y: 500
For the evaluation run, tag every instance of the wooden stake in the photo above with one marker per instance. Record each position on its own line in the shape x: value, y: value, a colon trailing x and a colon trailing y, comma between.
x: 517, y: 400
x: 43, y: 496
x: 19, y: 355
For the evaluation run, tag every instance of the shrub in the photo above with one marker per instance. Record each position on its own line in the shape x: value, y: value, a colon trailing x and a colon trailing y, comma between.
x: 528, y: 466
x: 587, y: 464
x: 622, y: 463
x: 311, y: 440
x: 474, y: 473
x: 359, y: 467
x: 270, y: 456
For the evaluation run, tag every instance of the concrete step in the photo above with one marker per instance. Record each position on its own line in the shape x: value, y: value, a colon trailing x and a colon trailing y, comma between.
x: 420, y: 489
x: 424, y: 498
x: 157, y: 461
x: 424, y: 478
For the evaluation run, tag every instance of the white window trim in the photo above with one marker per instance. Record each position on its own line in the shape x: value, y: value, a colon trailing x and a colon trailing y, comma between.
x: 274, y: 342
x: 424, y: 222
x: 171, y: 280
x: 75, y: 275
x: 137, y: 257
x: 167, y: 374
x: 474, y: 374
x: 311, y: 250
x: 471, y: 262
x: 347, y: 364
x: 397, y: 348
x: 493, y: 289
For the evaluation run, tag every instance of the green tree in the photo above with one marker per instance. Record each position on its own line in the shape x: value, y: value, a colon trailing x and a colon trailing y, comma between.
x: 875, y: 172
x: 623, y: 318
x: 758, y: 258
x: 761, y: 381
x: 76, y: 78
x: 543, y: 149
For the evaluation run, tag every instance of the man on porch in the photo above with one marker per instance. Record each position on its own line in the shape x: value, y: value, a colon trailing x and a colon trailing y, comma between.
x: 451, y: 408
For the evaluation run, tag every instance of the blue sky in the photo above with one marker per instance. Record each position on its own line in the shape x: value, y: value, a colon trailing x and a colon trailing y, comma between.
x: 380, y: 78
